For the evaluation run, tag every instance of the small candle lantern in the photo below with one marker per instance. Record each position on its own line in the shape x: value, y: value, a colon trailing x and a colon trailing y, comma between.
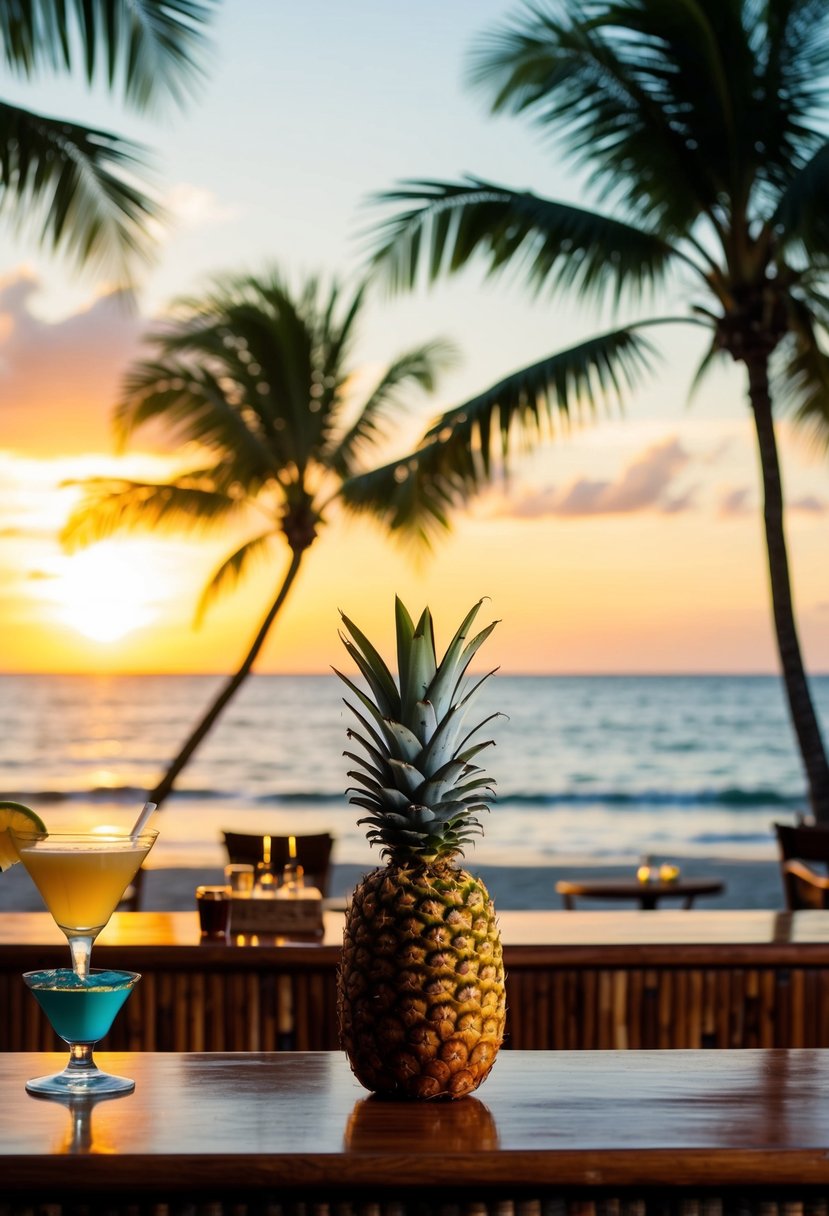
x: 293, y: 874
x: 265, y: 877
x: 647, y: 871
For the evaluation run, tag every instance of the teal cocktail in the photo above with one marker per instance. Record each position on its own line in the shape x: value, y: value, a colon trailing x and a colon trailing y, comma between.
x: 81, y: 1009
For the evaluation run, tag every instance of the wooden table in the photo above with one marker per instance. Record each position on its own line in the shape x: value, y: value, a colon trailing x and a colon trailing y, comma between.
x: 648, y: 895
x: 584, y: 979
x: 241, y: 1131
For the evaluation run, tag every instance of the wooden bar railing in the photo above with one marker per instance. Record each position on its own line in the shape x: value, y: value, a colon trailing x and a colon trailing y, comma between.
x: 575, y: 980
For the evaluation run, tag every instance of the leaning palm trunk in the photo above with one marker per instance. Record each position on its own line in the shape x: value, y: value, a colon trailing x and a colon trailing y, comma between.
x: 165, y: 785
x: 801, y: 708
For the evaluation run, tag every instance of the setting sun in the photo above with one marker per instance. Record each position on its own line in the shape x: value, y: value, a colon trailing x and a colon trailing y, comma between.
x: 103, y: 593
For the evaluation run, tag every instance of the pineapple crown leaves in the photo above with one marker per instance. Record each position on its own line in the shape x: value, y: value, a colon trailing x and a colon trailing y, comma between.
x: 416, y: 778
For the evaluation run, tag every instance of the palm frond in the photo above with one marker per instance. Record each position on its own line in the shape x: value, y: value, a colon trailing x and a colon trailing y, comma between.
x: 232, y: 570
x: 420, y: 367
x: 143, y: 48
x: 584, y: 377
x: 679, y: 109
x: 73, y: 180
x: 816, y: 301
x: 553, y: 244
x: 801, y: 217
x: 32, y: 35
x: 413, y: 498
x: 417, y: 494
x: 794, y: 69
x: 281, y: 336
x: 110, y: 505
x: 713, y: 354
x: 234, y: 374
x: 338, y: 332
x: 254, y: 332
x: 196, y: 407
x: 587, y: 73
x: 800, y: 380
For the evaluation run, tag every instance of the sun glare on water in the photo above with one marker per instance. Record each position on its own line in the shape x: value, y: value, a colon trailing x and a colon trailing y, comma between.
x: 104, y: 593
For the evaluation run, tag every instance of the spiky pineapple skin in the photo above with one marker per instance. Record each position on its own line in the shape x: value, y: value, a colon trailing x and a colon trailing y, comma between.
x: 421, y: 996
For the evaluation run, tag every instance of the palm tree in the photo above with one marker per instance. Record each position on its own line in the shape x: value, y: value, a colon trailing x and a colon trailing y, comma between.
x: 705, y: 123
x: 76, y: 181
x: 257, y: 380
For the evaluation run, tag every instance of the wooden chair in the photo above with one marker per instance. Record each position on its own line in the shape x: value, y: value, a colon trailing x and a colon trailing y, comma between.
x: 312, y: 852
x: 804, y: 886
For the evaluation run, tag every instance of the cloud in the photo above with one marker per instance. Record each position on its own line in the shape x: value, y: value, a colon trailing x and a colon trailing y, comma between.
x: 59, y: 380
x: 741, y: 500
x: 723, y: 452
x: 736, y: 502
x: 192, y: 207
x: 645, y: 484
x: 809, y: 503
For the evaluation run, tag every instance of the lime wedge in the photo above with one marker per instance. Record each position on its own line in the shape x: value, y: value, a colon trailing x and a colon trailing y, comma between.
x: 15, y: 815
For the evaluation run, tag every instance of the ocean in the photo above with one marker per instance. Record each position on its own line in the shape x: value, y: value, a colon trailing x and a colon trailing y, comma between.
x: 586, y: 768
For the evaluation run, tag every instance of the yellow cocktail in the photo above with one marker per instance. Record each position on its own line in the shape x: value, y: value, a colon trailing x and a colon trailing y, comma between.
x: 82, y: 882
x: 81, y: 877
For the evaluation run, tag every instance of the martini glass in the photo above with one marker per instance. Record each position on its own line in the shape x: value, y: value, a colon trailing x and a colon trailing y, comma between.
x: 81, y: 1010
x: 82, y: 876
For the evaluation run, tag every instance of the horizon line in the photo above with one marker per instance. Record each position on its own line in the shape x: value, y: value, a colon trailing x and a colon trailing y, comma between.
x: 518, y: 674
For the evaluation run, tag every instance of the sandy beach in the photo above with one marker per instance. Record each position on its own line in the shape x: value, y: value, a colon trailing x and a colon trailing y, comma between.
x: 748, y: 884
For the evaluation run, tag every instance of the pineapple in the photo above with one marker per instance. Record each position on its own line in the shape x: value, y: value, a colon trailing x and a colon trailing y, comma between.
x: 420, y: 996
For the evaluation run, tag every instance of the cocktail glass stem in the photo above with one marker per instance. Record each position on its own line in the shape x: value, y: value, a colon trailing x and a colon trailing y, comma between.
x: 80, y: 948
x: 80, y: 1058
x: 80, y: 1076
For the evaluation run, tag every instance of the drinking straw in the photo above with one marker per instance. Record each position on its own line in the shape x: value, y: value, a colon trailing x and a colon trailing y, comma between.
x: 141, y: 822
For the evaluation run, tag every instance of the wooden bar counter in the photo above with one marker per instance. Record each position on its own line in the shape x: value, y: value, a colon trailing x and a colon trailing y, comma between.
x: 570, y: 1132
x: 576, y: 980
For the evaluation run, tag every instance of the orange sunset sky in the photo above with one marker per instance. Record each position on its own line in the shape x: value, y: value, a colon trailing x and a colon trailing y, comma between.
x: 630, y: 544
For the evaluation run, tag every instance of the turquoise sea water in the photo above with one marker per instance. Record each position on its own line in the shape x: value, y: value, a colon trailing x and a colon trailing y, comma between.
x: 586, y: 767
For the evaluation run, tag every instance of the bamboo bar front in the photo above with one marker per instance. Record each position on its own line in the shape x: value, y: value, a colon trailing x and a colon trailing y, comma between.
x: 575, y: 981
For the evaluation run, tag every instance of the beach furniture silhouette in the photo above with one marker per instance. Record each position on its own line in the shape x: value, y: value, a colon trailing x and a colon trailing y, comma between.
x: 803, y: 885
x: 647, y: 895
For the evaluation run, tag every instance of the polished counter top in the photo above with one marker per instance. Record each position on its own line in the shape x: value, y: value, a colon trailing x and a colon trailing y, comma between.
x: 292, y: 1120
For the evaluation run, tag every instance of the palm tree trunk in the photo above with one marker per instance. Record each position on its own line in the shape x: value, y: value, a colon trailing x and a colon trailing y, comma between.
x: 165, y: 785
x: 801, y: 709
